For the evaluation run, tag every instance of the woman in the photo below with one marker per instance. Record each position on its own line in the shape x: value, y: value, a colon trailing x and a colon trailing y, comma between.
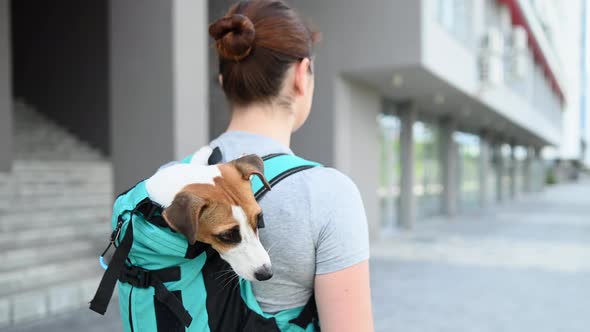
x: 316, y: 228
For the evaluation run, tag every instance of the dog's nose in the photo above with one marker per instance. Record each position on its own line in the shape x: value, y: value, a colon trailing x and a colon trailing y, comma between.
x: 263, y: 273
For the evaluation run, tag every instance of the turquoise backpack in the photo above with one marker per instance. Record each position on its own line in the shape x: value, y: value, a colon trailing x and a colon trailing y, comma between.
x: 167, y: 285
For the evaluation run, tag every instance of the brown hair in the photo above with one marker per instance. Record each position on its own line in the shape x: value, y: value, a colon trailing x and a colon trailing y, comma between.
x: 257, y: 41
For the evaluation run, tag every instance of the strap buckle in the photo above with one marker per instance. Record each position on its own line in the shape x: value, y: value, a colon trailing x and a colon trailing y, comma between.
x: 117, y: 231
x: 136, y: 276
x: 152, y: 211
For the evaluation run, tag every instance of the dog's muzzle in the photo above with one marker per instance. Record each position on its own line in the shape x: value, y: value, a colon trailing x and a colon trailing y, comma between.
x: 263, y: 273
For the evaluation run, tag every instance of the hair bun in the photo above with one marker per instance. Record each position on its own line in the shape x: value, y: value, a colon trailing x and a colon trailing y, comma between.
x: 234, y: 36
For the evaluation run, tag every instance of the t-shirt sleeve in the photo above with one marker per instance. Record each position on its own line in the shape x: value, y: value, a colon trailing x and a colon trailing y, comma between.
x: 342, y: 234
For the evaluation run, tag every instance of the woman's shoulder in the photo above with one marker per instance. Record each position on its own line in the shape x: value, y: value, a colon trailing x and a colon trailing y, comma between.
x: 326, y: 192
x: 327, y: 179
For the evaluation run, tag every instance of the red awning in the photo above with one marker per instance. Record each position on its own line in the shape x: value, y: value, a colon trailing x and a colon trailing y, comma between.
x: 519, y: 19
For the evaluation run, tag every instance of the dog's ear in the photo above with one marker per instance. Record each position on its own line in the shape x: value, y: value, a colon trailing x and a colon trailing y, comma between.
x: 184, y: 213
x: 251, y: 165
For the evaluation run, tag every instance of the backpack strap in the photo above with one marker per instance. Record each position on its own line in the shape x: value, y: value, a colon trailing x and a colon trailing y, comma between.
x: 278, y: 167
x: 118, y: 270
x: 103, y: 294
x: 143, y: 278
x: 308, y: 315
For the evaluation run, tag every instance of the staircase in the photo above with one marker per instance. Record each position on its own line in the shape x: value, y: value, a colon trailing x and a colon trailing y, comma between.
x: 55, y: 209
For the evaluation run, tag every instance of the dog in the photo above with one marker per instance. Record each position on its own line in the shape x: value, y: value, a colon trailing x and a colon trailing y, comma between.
x: 214, y: 204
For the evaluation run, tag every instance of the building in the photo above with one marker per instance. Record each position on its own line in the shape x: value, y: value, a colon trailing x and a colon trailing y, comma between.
x: 467, y: 93
x: 433, y: 107
x: 568, y: 158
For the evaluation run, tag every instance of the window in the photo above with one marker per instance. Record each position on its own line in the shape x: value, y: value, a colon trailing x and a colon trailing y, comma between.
x: 427, y: 172
x: 468, y: 170
x: 390, y: 169
x: 456, y: 17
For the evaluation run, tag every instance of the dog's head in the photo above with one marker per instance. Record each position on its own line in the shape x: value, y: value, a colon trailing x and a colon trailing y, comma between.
x: 225, y: 214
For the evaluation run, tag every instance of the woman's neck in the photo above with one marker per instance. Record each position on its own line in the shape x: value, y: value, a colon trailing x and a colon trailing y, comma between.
x: 264, y: 121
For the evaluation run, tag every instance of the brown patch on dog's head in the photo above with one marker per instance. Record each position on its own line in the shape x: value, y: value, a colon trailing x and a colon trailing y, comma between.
x: 203, y: 212
x: 184, y: 212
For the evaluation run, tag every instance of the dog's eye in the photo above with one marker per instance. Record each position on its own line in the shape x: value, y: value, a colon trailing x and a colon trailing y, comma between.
x: 230, y: 236
x: 260, y: 220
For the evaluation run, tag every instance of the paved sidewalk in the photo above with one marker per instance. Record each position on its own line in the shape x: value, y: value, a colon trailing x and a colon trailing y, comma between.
x: 523, y: 266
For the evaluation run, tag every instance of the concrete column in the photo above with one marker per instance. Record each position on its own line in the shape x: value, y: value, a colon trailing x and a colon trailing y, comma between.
x: 484, y: 171
x: 407, y: 202
x: 449, y: 158
x: 513, y: 171
x: 358, y: 155
x: 159, y: 110
x: 5, y: 88
x: 539, y: 174
x: 528, y: 170
x: 499, y: 163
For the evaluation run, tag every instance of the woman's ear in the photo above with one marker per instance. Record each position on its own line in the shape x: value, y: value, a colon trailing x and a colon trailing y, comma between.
x: 184, y: 213
x: 220, y: 79
x: 302, y: 76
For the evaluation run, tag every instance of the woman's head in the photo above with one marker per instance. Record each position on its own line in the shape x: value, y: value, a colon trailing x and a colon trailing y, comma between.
x: 265, y: 53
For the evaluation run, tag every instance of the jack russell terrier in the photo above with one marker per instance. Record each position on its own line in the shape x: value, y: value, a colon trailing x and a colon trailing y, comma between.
x: 214, y: 204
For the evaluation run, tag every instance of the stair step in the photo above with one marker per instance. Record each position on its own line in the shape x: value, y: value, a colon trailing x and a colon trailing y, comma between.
x: 43, y: 189
x: 58, y: 177
x: 30, y: 256
x: 34, y: 237
x: 57, y: 201
x: 34, y: 192
x: 42, y: 219
x: 54, y: 155
x: 14, y: 282
x: 48, y: 299
x: 24, y: 209
x: 55, y: 211
x: 36, y: 165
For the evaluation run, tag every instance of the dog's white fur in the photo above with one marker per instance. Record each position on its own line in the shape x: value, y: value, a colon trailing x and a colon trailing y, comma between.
x: 249, y: 255
x: 168, y: 181
x: 201, y: 157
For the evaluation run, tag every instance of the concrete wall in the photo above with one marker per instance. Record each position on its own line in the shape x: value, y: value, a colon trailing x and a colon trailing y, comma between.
x: 335, y: 56
x: 191, y: 86
x: 373, y: 50
x: 219, y: 111
x: 356, y: 137
x: 61, y: 63
x: 5, y: 89
x: 342, y: 108
x: 158, y: 84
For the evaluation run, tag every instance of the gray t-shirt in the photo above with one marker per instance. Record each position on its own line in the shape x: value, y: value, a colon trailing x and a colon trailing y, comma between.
x: 315, y: 223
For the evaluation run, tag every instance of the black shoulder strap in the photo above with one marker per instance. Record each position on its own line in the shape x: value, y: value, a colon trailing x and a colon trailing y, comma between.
x: 308, y: 315
x: 103, y: 295
x: 117, y: 268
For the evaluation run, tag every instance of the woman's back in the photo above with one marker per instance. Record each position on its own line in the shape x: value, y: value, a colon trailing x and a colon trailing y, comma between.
x: 316, y: 229
x: 314, y: 224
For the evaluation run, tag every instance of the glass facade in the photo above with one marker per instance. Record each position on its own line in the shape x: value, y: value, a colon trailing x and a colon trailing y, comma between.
x: 503, y: 162
x: 388, y: 191
x: 456, y: 16
x: 468, y: 170
x: 427, y: 172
